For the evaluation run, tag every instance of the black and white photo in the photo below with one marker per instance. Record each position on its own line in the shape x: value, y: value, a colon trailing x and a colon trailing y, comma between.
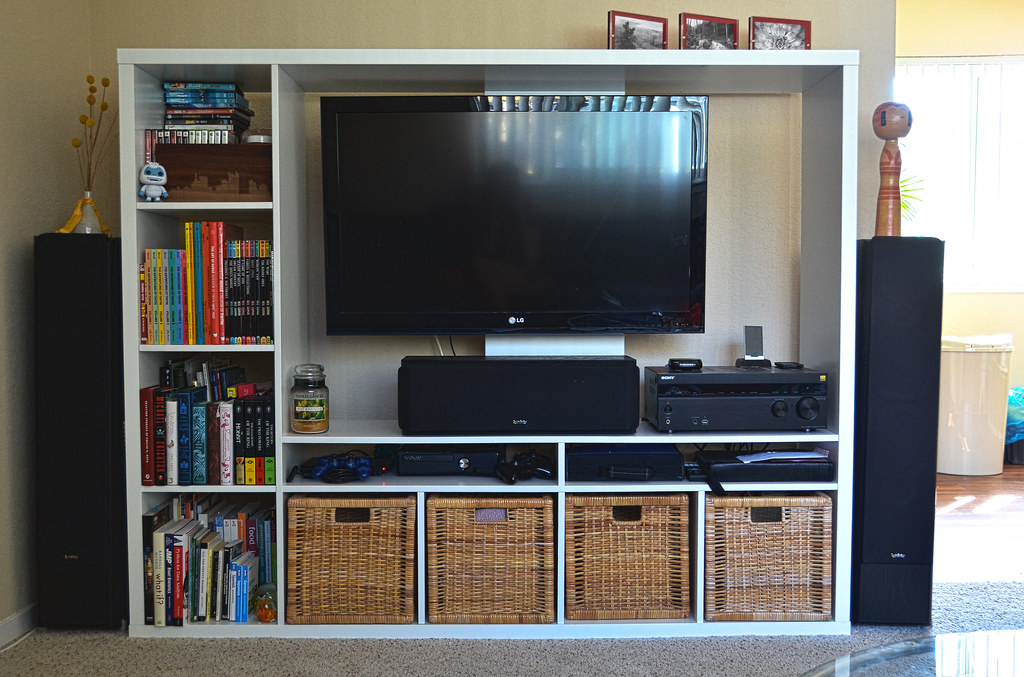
x: 697, y: 31
x: 767, y: 33
x: 636, y: 31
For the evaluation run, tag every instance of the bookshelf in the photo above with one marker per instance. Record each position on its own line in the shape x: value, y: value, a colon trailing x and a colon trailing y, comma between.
x: 824, y: 83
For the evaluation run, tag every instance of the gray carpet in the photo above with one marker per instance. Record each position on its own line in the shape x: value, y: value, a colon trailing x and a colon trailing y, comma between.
x: 957, y: 607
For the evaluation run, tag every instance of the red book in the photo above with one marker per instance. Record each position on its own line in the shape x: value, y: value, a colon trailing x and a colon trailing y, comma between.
x: 160, y: 436
x: 223, y: 232
x: 246, y: 390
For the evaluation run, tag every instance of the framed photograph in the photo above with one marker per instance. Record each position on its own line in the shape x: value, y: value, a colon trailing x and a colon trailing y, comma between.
x: 767, y: 33
x: 697, y: 31
x: 636, y: 31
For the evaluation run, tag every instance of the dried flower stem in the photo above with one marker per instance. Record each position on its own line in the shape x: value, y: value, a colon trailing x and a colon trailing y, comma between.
x: 96, y: 141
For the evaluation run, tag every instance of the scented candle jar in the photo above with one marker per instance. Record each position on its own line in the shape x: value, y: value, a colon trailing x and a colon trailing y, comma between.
x: 309, y: 399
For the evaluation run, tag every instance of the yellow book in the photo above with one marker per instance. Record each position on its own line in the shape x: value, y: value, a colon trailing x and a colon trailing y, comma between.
x: 161, y: 294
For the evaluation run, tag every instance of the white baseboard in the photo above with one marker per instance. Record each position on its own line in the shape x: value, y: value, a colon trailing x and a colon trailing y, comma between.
x: 16, y: 625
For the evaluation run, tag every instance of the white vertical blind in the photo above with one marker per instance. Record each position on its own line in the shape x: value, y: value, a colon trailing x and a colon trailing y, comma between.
x: 965, y: 157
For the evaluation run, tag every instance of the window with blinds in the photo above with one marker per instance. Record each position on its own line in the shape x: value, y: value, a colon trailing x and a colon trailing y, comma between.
x: 963, y: 166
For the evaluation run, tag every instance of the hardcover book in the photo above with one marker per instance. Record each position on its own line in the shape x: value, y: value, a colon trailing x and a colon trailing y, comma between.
x: 188, y: 399
x: 152, y: 521
x: 199, y: 443
x: 147, y: 414
x: 171, y: 435
x: 161, y: 565
x: 233, y: 548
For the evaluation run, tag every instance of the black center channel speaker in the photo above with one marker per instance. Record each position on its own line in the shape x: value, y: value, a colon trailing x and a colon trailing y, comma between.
x: 518, y: 395
x: 899, y: 327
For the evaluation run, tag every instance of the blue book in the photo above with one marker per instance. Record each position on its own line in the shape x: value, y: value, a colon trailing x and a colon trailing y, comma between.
x: 175, y: 85
x: 199, y: 469
x: 187, y: 399
x: 174, y: 297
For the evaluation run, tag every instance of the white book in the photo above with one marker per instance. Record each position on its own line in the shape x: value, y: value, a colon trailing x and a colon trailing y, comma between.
x: 232, y: 589
x: 171, y: 441
x: 226, y: 416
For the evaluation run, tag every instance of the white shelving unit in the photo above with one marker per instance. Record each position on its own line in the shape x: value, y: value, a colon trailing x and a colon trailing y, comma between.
x: 826, y: 85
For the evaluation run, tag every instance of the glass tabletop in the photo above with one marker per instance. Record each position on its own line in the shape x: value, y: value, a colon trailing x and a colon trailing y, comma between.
x: 995, y: 653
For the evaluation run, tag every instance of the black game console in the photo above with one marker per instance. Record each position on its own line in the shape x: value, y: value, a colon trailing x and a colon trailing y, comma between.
x: 427, y: 459
x: 626, y: 462
x: 735, y: 398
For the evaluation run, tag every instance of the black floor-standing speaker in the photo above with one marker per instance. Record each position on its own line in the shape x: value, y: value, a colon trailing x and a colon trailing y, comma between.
x: 899, y: 327
x: 80, y: 460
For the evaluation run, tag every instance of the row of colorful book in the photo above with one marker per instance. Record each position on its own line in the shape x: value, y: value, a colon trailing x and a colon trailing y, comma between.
x: 189, y: 439
x: 205, y: 557
x: 218, y: 289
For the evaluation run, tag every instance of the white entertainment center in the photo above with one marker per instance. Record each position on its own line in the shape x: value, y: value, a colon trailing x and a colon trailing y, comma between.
x: 825, y: 85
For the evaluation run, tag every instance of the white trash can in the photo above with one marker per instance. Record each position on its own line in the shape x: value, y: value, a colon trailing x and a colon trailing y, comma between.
x: 974, y: 383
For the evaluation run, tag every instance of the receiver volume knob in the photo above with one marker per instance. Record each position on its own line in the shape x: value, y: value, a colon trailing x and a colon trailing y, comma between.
x: 807, y: 408
x: 779, y: 409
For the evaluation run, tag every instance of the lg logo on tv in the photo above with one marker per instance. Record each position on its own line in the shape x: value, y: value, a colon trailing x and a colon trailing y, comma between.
x: 516, y: 320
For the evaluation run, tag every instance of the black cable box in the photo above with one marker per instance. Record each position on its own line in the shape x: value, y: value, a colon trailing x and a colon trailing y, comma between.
x: 626, y: 462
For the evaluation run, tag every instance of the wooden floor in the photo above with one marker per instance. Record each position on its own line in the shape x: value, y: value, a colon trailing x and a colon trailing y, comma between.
x: 979, y: 526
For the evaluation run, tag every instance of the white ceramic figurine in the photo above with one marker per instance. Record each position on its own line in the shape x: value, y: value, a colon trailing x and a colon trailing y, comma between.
x: 153, y: 178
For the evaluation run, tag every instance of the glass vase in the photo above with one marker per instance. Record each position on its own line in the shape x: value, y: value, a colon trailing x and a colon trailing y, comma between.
x: 85, y: 218
x: 90, y: 221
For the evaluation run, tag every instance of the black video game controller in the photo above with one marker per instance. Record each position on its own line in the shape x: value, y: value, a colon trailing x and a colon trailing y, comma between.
x: 524, y: 465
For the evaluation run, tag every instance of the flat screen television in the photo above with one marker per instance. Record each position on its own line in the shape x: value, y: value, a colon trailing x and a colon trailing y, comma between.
x: 529, y: 214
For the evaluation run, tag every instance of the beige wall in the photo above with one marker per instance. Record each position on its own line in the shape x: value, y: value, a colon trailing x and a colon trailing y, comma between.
x: 44, y: 70
x: 955, y: 28
x: 50, y: 46
x: 950, y: 28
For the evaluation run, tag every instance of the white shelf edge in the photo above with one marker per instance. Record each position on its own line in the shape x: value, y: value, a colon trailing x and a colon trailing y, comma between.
x: 179, y: 207
x: 386, y: 431
x: 203, y: 348
x: 547, y: 58
x: 210, y: 489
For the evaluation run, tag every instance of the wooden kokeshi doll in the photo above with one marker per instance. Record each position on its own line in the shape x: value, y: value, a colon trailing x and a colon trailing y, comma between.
x: 891, y: 121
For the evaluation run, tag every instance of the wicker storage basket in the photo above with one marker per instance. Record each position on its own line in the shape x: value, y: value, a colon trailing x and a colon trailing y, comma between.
x: 768, y: 558
x: 627, y: 557
x: 351, y: 559
x: 490, y: 559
